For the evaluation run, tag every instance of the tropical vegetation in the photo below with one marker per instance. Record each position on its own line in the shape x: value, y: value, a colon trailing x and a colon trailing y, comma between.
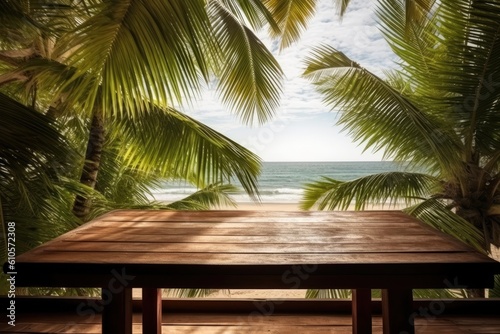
x: 439, y: 112
x: 89, y: 91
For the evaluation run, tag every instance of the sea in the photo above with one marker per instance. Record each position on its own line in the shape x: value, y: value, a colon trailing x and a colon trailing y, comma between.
x: 283, y: 182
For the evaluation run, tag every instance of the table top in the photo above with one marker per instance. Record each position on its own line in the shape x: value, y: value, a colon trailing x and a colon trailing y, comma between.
x: 256, y: 249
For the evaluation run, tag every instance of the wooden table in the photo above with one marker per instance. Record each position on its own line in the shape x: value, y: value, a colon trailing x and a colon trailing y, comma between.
x: 387, y: 250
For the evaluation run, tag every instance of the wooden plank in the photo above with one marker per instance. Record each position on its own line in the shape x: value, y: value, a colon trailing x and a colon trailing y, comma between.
x: 117, y: 313
x: 380, y: 232
x: 205, y: 214
x: 260, y: 224
x: 151, y: 311
x: 361, y: 311
x: 298, y: 239
x: 215, y: 322
x: 405, y: 259
x: 369, y: 215
x: 287, y: 248
x: 397, y: 311
x: 249, y: 329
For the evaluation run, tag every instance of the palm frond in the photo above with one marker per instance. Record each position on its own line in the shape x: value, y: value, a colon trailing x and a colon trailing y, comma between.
x: 121, y: 185
x: 412, y: 41
x: 341, y: 6
x: 34, y: 24
x: 213, y: 196
x: 471, y: 35
x: 458, y: 47
x: 292, y: 17
x: 192, y: 293
x: 434, y: 213
x: 381, y: 188
x: 254, y: 13
x: 329, y: 293
x: 495, y: 292
x: 138, y: 51
x: 378, y: 115
x: 417, y: 12
x: 29, y: 144
x: 376, y: 293
x: 251, y: 79
x: 181, y: 147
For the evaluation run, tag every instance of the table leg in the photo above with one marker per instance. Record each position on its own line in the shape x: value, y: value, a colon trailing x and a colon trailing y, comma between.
x: 117, y: 312
x: 397, y: 309
x: 362, y: 311
x: 151, y: 311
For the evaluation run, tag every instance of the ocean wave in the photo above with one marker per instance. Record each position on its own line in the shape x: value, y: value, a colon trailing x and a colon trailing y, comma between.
x: 278, y: 191
x: 278, y: 195
x: 283, y: 182
x: 181, y: 190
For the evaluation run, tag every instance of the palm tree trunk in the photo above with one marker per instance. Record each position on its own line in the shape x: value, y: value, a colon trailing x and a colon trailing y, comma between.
x: 81, y: 207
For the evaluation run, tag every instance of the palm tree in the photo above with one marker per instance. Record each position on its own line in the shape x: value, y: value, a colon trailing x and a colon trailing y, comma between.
x: 83, y: 55
x: 108, y: 69
x: 115, y: 71
x: 124, y: 60
x: 439, y: 112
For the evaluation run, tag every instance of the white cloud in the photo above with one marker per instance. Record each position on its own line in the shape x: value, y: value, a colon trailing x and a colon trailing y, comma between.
x: 305, y: 135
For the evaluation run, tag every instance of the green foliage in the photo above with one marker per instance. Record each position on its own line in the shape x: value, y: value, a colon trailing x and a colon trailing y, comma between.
x: 33, y: 185
x: 291, y: 17
x: 495, y: 292
x: 434, y: 213
x: 329, y: 294
x: 391, y: 187
x: 191, y: 293
x: 195, y: 151
x: 438, y: 111
x: 133, y: 60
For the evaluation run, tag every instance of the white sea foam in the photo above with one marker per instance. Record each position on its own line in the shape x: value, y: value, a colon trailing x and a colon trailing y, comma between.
x: 283, y: 182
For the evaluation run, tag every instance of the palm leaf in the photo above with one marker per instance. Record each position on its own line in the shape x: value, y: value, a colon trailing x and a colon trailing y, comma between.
x: 434, y: 213
x: 121, y: 185
x: 413, y: 42
x: 251, y: 12
x: 206, y: 199
x: 378, y: 115
x: 181, y: 147
x: 161, y: 52
x: 381, y: 188
x: 472, y: 39
x: 31, y: 26
x: 292, y: 17
x: 140, y: 50
x: 250, y: 80
x: 459, y: 49
x: 495, y: 292
x: 342, y: 6
x: 191, y: 293
x: 29, y: 144
x: 329, y: 293
x: 417, y: 12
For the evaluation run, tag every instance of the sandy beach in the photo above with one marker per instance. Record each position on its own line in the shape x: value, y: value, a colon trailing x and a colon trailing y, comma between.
x: 264, y: 206
x: 296, y: 207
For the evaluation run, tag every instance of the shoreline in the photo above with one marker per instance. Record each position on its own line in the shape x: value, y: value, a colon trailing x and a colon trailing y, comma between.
x: 272, y: 206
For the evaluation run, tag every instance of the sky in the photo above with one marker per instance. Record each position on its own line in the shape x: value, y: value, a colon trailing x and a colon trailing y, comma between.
x: 304, y: 128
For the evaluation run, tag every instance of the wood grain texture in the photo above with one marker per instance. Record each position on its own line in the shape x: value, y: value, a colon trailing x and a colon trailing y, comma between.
x: 224, y: 245
x: 236, y: 323
x: 361, y: 311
